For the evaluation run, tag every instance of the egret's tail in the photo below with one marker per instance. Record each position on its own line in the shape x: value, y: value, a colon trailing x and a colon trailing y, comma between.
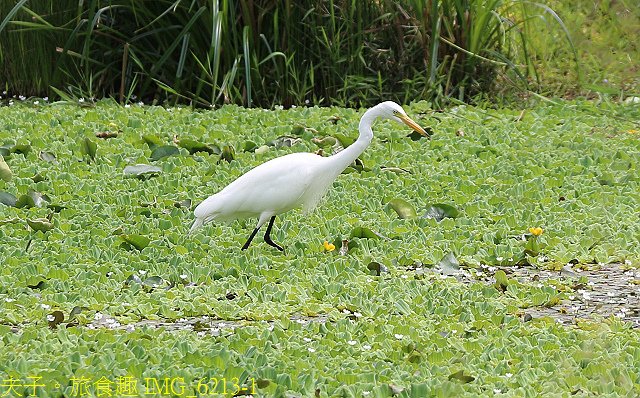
x: 197, y: 223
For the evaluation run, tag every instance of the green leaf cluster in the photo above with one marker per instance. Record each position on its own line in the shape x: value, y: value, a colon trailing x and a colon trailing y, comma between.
x: 118, y: 273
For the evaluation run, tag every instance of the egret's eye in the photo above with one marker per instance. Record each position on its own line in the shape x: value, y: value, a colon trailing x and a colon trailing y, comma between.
x: 396, y: 113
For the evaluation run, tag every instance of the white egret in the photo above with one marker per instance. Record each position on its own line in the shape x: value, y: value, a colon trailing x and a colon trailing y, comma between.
x: 290, y: 181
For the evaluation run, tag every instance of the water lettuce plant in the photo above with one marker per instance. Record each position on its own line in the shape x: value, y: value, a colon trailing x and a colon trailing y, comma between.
x: 404, y: 282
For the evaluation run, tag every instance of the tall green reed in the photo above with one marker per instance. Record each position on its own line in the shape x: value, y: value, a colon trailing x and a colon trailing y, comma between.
x: 267, y: 53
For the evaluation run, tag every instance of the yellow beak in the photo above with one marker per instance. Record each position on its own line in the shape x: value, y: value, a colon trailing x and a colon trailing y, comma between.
x: 407, y: 120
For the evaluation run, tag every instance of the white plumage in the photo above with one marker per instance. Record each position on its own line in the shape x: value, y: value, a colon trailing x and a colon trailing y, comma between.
x: 290, y: 181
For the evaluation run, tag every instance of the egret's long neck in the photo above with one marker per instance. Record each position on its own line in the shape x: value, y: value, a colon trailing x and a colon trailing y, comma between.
x: 351, y: 153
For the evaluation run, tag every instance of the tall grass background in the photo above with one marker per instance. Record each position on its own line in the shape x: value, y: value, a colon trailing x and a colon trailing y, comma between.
x: 267, y: 53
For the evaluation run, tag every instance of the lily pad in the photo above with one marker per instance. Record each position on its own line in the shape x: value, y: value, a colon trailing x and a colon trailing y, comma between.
x: 152, y: 141
x: 141, y: 170
x: 449, y: 264
x: 75, y: 311
x: 49, y: 157
x: 192, y: 146
x: 403, y: 208
x: 55, y: 318
x: 21, y: 148
x: 250, y: 146
x: 460, y: 376
x: 164, y: 151
x: 153, y: 281
x: 5, y: 171
x: 501, y: 280
x: 7, y: 199
x: 38, y: 178
x: 441, y: 211
x: 364, y: 232
x: 377, y: 269
x: 133, y: 278
x: 344, y: 140
x: 137, y: 241
x: 32, y: 199
x: 228, y: 153
x: 40, y: 224
x: 25, y: 201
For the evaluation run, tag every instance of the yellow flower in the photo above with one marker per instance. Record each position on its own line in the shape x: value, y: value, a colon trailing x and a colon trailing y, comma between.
x: 536, y: 231
x: 632, y: 131
x: 112, y: 124
x: 328, y: 246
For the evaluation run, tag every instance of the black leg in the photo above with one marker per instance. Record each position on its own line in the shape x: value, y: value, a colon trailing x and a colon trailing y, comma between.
x: 255, y: 231
x: 267, y: 235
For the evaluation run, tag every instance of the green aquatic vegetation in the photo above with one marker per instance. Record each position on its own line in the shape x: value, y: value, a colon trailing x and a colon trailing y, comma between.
x: 368, y: 295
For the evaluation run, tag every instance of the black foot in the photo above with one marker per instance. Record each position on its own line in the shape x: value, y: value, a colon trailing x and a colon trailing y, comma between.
x: 274, y: 244
x: 267, y: 235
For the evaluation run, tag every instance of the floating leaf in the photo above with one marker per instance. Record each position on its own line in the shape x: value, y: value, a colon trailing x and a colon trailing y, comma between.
x: 75, y: 311
x: 88, y: 147
x: 449, y: 264
x: 501, y: 280
x: 250, y: 146
x: 344, y: 140
x: 137, y: 241
x: 163, y: 152
x: 25, y: 201
x: 297, y: 130
x: 441, y: 211
x: 403, y: 208
x: 32, y: 199
x: 21, y: 148
x: 40, y: 224
x: 141, y: 170
x: 38, y: 178
x: 364, y: 232
x: 376, y: 268
x: 133, y: 278
x: 55, y: 318
x: 152, y: 141
x: 49, y: 157
x: 192, y: 146
x: 7, y: 199
x: 153, y: 281
x: 460, y: 376
x: 228, y: 153
x: 56, y: 208
x: 5, y: 171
